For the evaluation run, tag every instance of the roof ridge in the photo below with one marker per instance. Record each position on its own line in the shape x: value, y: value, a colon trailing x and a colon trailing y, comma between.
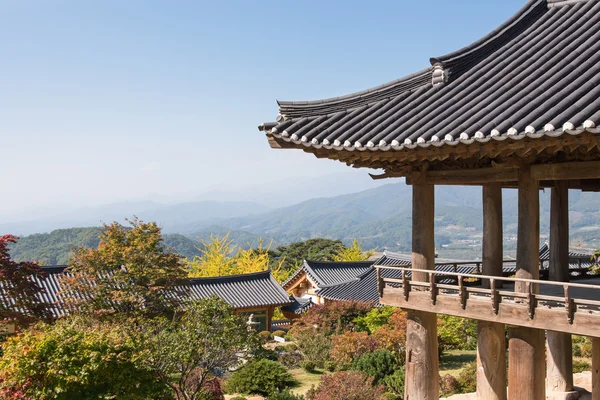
x: 231, y: 277
x: 357, y: 99
x: 471, y: 53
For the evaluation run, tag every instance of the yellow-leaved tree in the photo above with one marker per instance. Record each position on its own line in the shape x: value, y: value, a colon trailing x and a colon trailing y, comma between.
x: 353, y: 253
x: 220, y: 257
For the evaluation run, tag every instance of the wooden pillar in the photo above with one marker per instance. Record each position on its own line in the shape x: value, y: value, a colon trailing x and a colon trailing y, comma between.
x: 595, y: 368
x: 491, y: 341
x: 526, y: 349
x: 422, y: 365
x: 560, y: 348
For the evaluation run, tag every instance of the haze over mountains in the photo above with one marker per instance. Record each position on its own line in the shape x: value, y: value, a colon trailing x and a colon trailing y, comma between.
x: 379, y: 217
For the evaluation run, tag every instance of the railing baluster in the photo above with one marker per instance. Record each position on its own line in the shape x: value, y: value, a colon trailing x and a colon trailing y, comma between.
x: 432, y: 287
x: 494, y: 296
x: 405, y: 285
x: 569, y: 306
x: 530, y: 299
x: 462, y: 292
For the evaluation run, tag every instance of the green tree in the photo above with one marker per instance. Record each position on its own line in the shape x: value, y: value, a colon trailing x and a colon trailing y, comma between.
x: 206, y: 339
x: 264, y: 377
x: 130, y: 272
x: 75, y: 358
x: 374, y: 319
x: 317, y: 249
x: 353, y: 253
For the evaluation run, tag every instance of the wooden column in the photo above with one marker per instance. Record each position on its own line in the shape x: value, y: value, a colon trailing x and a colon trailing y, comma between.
x: 422, y: 366
x: 526, y: 349
x: 491, y: 341
x: 560, y: 348
x: 595, y: 368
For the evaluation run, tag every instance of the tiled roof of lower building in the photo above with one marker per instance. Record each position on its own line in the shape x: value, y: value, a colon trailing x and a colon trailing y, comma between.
x: 241, y: 291
x: 326, y: 273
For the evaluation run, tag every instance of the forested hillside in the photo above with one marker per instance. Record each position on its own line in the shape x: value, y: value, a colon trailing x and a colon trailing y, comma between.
x: 379, y: 218
x: 55, y: 248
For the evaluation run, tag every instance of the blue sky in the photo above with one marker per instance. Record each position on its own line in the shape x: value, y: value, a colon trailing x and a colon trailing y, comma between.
x: 105, y: 101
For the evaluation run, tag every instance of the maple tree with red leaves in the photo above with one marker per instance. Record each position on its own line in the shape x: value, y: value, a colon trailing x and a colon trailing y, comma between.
x: 19, y: 300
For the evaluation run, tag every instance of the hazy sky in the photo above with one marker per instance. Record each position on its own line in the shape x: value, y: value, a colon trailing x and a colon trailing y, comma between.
x: 103, y: 101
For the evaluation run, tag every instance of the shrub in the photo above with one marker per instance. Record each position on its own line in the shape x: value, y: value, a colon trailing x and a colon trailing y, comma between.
x: 290, y: 359
x: 314, y: 346
x: 347, y: 385
x: 449, y: 385
x: 377, y: 364
x: 262, y: 377
x: 586, y: 350
x: 395, y: 382
x: 468, y: 378
x: 239, y: 398
x: 350, y: 346
x: 393, y: 340
x: 278, y: 334
x: 265, y: 335
x: 456, y: 333
x: 332, y: 317
x: 75, y: 359
x: 374, y: 319
x: 285, y: 395
x: 581, y: 366
x: 309, y: 366
x: 279, y: 348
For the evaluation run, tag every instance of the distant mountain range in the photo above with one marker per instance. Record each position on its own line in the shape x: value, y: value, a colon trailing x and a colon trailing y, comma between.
x: 380, y: 218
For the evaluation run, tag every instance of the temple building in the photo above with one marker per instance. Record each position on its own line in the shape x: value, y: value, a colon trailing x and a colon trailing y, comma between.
x: 257, y: 294
x: 313, y: 275
x: 517, y: 109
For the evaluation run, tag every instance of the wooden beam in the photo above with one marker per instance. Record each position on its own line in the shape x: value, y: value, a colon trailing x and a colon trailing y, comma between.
x: 422, y: 365
x: 470, y: 176
x: 566, y: 171
x: 509, y: 313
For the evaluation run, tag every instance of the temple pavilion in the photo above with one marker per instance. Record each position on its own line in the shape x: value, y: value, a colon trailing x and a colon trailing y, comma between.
x: 520, y: 108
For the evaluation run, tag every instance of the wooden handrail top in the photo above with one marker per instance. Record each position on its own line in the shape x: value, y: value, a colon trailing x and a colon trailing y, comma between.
x: 496, y: 278
x: 479, y: 262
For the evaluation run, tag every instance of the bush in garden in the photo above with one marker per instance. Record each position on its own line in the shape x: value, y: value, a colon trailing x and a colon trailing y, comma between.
x: 285, y: 395
x: 347, y: 385
x: 75, y: 358
x: 290, y: 359
x: 374, y: 319
x: 350, y: 346
x: 332, y: 317
x: 393, y: 340
x: 309, y: 366
x: 239, y: 398
x: 278, y: 334
x: 265, y: 335
x: 449, y: 385
x: 262, y: 377
x: 456, y: 333
x: 395, y: 382
x: 377, y: 364
x: 314, y: 345
x: 468, y: 378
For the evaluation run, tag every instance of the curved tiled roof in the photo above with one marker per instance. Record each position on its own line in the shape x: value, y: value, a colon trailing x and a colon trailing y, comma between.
x: 241, y: 291
x: 299, y: 305
x: 536, y: 76
x: 326, y: 273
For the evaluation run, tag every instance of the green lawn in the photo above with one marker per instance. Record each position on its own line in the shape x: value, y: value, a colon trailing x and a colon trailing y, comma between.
x: 305, y: 380
x: 453, y: 361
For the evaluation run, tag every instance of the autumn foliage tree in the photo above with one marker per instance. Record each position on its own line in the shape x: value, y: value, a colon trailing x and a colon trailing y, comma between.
x: 18, y: 285
x: 130, y: 272
x: 220, y: 257
x: 353, y: 253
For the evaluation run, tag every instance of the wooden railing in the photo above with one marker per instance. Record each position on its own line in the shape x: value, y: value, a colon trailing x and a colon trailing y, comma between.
x: 524, y: 307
